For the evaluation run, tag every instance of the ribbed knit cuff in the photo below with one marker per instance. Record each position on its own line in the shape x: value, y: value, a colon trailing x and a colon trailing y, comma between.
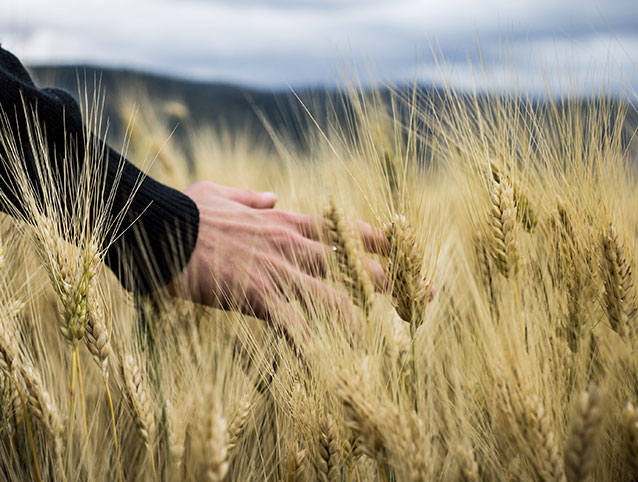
x: 159, y: 231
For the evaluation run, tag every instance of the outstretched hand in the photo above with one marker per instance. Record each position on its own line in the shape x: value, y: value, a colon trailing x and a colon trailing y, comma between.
x: 252, y: 257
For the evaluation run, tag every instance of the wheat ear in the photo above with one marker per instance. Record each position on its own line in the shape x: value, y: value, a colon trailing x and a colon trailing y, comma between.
x: 630, y: 437
x: 216, y: 440
x: 10, y: 362
x: 467, y: 464
x: 347, y: 250
x: 580, y: 450
x: 526, y: 214
x: 503, y: 227
x: 296, y: 471
x: 409, y: 284
x: 43, y: 407
x: 176, y: 436
x: 238, y: 424
x: 361, y: 415
x: 22, y: 375
x: 483, y: 262
x: 617, y: 277
x: 140, y: 401
x: 328, y: 463
x: 8, y: 348
x: 545, y: 460
x: 97, y: 336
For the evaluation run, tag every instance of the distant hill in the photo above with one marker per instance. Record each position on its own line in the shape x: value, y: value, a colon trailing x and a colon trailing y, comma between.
x: 208, y: 103
x: 217, y: 104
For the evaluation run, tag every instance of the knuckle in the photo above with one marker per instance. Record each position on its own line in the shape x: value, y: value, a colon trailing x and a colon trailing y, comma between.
x: 204, y: 185
x: 283, y: 236
x: 284, y: 217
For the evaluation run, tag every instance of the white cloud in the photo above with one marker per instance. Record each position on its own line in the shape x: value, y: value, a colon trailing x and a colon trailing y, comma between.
x: 274, y: 42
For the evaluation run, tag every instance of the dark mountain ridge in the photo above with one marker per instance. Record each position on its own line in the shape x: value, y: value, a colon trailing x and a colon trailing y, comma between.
x: 226, y: 105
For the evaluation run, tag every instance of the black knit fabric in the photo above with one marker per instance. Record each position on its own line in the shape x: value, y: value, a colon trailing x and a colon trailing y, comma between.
x: 163, y: 235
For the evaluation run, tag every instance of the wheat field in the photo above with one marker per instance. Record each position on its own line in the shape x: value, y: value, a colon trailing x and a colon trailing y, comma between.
x: 502, y: 349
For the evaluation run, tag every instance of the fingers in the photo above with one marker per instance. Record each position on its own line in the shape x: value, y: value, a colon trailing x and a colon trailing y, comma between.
x: 253, y: 199
x: 266, y: 301
x: 312, y: 227
x: 284, y: 319
x: 315, y: 228
x: 310, y: 256
x: 374, y: 239
x: 377, y: 274
x: 313, y: 257
x: 316, y: 294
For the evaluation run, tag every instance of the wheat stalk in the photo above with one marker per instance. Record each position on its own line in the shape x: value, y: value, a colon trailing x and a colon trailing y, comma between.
x: 43, y: 407
x: 71, y: 274
x: 545, y: 459
x: 348, y: 253
x: 297, y: 460
x: 484, y: 264
x: 580, y: 450
x: 412, y: 448
x: 526, y: 214
x: 407, y: 272
x: 467, y: 464
x: 139, y: 400
x: 619, y: 297
x: 8, y: 348
x: 630, y: 437
x: 503, y: 227
x: 176, y: 436
x: 215, y: 440
x: 238, y: 424
x: 362, y: 417
x: 10, y: 357
x: 97, y: 336
x: 328, y: 466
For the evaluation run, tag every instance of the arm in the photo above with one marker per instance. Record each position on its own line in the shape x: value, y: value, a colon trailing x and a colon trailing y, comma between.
x: 165, y: 214
x: 233, y: 249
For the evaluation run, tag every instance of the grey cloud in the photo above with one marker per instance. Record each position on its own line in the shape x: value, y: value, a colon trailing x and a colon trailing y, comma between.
x: 269, y: 43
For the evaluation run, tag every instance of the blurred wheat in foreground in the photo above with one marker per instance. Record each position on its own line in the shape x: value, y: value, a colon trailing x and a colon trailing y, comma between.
x: 503, y: 347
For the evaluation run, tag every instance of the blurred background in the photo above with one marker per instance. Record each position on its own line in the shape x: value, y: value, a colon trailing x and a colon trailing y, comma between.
x: 223, y: 58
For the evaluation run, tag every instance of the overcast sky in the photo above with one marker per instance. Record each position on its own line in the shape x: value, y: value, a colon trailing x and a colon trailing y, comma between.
x: 275, y: 43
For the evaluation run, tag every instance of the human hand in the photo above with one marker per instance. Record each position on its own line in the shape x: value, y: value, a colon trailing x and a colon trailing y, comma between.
x: 252, y: 257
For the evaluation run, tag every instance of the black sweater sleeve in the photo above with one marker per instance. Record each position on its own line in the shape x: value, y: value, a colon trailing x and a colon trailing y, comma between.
x: 163, y: 235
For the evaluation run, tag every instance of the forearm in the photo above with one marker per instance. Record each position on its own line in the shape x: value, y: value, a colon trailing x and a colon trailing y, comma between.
x: 159, y: 225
